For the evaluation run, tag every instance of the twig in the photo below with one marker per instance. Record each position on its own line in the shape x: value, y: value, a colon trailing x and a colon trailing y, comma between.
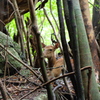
x: 97, y: 8
x: 68, y: 74
x: 66, y: 84
x: 63, y: 95
x: 10, y: 96
x: 51, y: 26
x: 3, y: 91
x: 55, y: 90
x: 15, y: 82
x: 49, y: 19
x: 23, y: 76
x: 2, y: 22
x: 12, y: 12
x: 29, y: 67
x: 41, y: 26
x: 53, y: 16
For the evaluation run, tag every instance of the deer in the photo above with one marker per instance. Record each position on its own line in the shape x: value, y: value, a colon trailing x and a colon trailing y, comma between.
x: 55, y: 64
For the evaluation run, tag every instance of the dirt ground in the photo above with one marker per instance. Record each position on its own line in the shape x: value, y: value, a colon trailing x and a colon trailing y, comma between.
x: 18, y: 86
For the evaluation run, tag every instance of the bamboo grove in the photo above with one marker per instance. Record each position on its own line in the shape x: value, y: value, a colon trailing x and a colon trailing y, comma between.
x: 73, y: 16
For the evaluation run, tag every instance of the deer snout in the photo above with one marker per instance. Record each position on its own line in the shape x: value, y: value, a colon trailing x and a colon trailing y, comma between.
x: 44, y: 54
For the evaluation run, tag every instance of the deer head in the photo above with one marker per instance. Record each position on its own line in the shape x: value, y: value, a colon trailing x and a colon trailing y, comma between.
x: 48, y: 51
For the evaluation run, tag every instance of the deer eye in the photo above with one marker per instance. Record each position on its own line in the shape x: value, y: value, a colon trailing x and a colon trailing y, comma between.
x: 50, y: 49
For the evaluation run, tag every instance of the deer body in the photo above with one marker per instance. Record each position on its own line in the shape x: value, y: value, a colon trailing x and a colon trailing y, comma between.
x: 57, y: 71
x: 52, y: 62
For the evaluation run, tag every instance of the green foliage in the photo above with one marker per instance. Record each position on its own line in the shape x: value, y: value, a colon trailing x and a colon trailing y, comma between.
x: 11, y: 27
x: 91, y: 6
x: 26, y: 15
x: 43, y: 24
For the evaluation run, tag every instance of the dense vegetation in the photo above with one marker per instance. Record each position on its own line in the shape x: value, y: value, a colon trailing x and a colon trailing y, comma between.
x: 51, y: 22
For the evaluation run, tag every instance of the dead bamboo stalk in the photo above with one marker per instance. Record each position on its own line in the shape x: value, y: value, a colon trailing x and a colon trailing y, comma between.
x: 39, y: 51
x: 19, y: 26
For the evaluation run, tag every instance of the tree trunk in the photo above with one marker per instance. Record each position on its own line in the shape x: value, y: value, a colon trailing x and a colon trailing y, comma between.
x: 85, y: 55
x: 90, y: 33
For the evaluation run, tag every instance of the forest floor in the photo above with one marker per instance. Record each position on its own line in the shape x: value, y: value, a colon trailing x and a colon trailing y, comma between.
x: 18, y: 86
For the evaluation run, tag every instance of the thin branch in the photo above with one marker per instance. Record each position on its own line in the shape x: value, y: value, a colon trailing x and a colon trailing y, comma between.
x: 22, y: 75
x: 3, y: 91
x: 25, y: 65
x: 97, y: 8
x: 19, y: 24
x: 53, y: 15
x: 58, y: 86
x: 68, y: 74
x: 51, y: 26
x: 49, y: 19
x: 66, y: 84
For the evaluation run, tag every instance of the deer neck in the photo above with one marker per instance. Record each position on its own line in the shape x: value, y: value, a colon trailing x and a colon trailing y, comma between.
x: 51, y: 61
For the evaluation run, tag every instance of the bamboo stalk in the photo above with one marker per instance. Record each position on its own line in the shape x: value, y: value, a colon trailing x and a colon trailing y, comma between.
x: 76, y: 52
x: 90, y: 33
x: 85, y: 54
x: 19, y: 26
x: 39, y: 51
x: 67, y: 21
x: 64, y: 44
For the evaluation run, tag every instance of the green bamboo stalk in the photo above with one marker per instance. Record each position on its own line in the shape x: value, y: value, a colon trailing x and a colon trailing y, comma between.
x: 85, y: 54
x: 67, y: 21
x: 39, y: 52
x: 64, y: 43
x: 76, y: 52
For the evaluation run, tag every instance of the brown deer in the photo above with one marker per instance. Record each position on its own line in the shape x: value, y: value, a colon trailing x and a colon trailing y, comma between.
x: 57, y: 64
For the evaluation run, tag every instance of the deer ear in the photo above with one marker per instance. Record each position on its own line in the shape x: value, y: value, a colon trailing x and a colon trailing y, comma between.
x: 56, y: 45
x: 43, y: 45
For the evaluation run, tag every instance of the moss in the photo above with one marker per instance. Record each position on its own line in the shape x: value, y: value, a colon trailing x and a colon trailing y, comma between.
x: 14, y: 48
